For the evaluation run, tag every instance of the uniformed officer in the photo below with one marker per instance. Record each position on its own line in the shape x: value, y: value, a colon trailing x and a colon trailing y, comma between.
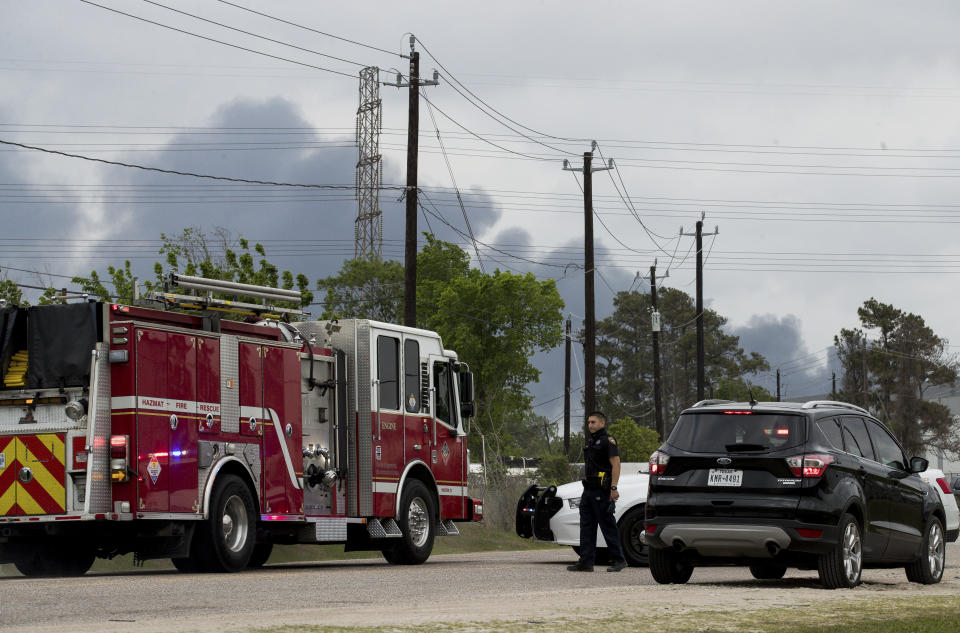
x: 601, y: 460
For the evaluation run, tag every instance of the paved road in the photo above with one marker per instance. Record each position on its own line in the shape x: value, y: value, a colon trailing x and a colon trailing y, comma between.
x: 470, y: 587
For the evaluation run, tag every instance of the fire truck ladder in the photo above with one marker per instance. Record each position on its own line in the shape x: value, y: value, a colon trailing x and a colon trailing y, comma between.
x: 208, y: 301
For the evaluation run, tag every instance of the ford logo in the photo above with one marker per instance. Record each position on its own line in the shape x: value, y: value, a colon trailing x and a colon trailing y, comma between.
x: 724, y: 461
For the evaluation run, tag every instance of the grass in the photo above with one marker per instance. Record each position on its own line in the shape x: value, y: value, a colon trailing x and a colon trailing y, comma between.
x: 474, y: 537
x: 876, y: 614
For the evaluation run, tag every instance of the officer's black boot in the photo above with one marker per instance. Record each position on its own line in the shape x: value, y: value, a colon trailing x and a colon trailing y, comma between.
x: 617, y: 565
x: 580, y: 566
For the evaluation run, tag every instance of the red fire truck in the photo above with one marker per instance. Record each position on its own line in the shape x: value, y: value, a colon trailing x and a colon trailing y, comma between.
x: 207, y: 440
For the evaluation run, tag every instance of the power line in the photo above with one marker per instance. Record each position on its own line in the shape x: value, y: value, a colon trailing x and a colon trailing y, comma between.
x: 262, y: 37
x: 185, y: 173
x: 453, y: 179
x: 461, y: 233
x: 307, y: 28
x: 600, y: 219
x: 489, y: 142
x: 491, y: 108
x: 210, y: 39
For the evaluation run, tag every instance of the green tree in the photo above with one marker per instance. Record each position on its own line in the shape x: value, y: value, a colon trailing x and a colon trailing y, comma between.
x: 195, y: 253
x: 554, y: 470
x: 11, y: 293
x: 364, y: 289
x: 122, y: 280
x: 625, y: 357
x: 905, y: 360
x: 636, y: 442
x: 495, y: 321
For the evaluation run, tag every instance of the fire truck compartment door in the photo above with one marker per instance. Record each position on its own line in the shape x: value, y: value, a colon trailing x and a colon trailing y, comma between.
x: 183, y: 422
x: 153, y: 425
x: 282, y: 436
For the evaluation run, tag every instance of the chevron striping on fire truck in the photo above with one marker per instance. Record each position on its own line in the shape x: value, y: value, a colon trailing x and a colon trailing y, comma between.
x: 190, y: 436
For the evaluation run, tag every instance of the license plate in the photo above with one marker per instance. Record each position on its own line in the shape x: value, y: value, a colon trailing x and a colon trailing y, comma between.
x: 725, y: 477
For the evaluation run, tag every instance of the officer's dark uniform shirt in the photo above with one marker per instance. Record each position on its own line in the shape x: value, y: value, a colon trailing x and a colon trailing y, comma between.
x: 596, y: 460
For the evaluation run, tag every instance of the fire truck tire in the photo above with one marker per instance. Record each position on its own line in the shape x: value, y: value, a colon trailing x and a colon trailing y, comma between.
x: 55, y: 561
x: 261, y: 554
x: 225, y: 541
x: 186, y: 565
x: 417, y: 521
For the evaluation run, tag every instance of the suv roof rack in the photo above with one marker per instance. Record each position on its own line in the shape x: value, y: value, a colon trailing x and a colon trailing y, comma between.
x: 814, y: 404
x: 707, y: 403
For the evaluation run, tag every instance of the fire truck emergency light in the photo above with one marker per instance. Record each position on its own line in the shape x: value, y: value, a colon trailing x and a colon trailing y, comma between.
x: 234, y: 288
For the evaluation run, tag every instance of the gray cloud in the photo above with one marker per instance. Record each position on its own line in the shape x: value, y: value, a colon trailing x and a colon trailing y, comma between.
x: 780, y: 341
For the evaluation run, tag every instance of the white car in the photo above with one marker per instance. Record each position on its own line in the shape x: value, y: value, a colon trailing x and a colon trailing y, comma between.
x: 938, y: 481
x: 552, y: 514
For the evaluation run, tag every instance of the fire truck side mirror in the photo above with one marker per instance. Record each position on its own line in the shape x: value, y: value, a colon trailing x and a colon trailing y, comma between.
x: 467, y: 407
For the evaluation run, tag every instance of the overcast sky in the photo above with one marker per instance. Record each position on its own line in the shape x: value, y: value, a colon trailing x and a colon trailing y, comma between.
x: 821, y: 138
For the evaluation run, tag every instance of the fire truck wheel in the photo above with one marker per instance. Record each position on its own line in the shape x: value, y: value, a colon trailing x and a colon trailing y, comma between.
x: 261, y: 553
x: 55, y: 561
x: 225, y: 541
x: 417, y: 520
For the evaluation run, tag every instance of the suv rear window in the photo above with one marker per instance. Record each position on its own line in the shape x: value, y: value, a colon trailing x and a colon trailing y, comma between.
x: 736, y: 432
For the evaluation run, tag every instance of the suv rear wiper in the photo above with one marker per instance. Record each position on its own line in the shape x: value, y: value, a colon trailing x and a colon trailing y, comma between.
x: 745, y: 447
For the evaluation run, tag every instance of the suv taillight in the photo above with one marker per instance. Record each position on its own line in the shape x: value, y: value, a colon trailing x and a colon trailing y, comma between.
x: 809, y: 466
x: 944, y: 486
x: 658, y: 462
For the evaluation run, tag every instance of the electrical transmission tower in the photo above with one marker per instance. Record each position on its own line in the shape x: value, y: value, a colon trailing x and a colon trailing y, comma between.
x: 369, y: 225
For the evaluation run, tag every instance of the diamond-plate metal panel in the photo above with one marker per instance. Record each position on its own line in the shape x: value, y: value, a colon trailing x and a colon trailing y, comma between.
x: 331, y: 529
x: 45, y: 417
x: 251, y: 456
x: 391, y: 528
x: 229, y: 384
x: 364, y: 437
x: 375, y: 530
x: 450, y: 527
x: 202, y: 475
x: 98, y: 491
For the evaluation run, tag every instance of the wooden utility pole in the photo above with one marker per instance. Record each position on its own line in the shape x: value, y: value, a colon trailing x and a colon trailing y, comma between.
x: 700, y: 351
x: 589, y: 321
x: 566, y: 393
x: 778, y: 385
x: 413, y: 147
x: 655, y: 332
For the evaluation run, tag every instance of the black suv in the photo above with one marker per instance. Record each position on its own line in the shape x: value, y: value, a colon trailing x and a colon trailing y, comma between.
x: 819, y: 485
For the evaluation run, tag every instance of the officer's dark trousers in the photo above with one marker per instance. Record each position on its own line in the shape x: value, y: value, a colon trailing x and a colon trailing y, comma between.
x: 596, y: 508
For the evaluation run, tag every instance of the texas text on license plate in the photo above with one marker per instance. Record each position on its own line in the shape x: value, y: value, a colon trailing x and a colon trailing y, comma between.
x: 724, y: 477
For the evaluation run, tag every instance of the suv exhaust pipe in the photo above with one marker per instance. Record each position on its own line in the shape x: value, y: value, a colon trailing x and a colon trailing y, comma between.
x: 773, y: 548
x: 679, y: 545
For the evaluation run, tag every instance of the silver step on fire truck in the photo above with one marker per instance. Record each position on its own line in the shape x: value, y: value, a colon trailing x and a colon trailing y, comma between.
x: 207, y: 440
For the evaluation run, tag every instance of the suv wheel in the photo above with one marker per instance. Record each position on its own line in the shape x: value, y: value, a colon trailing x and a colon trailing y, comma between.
x: 666, y: 567
x: 768, y: 571
x: 928, y: 569
x: 631, y: 538
x: 842, y: 567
